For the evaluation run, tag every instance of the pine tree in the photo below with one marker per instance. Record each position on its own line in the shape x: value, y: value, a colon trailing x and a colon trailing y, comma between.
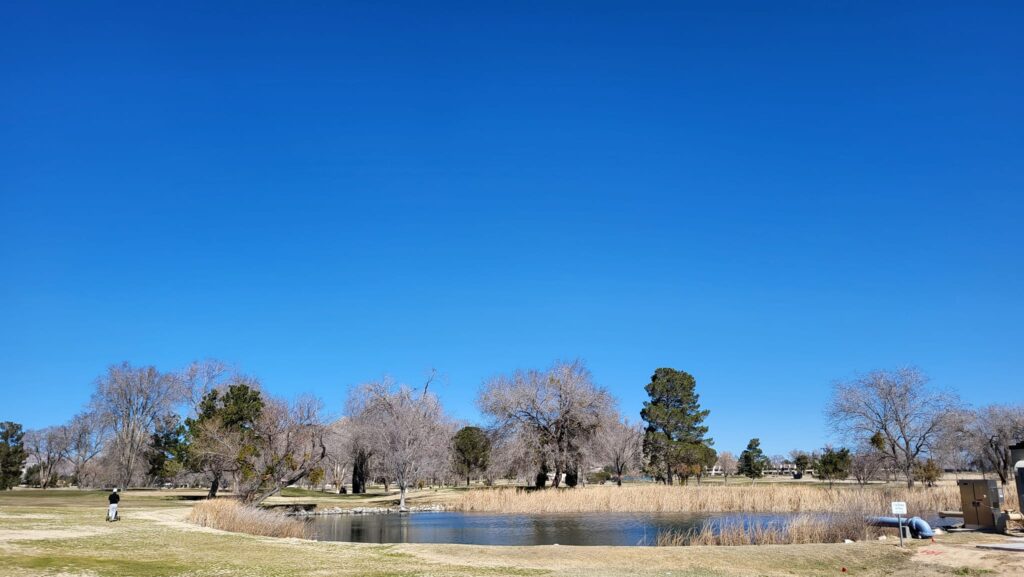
x: 675, y: 430
x: 471, y: 449
x: 833, y: 464
x: 752, y: 461
x: 12, y: 454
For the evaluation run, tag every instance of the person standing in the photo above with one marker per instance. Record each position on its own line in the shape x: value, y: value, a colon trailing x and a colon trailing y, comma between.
x: 113, y: 499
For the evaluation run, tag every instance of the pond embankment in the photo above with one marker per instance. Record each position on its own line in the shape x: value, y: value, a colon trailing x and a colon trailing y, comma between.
x: 367, y: 510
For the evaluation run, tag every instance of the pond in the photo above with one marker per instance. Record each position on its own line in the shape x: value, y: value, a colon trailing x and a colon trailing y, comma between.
x: 541, y: 529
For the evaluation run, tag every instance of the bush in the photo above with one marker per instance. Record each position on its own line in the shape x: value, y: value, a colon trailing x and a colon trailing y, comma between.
x: 927, y: 472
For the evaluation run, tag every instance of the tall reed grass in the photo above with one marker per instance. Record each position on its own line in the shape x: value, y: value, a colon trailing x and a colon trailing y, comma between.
x: 763, y: 498
x: 800, y: 529
x: 231, y: 515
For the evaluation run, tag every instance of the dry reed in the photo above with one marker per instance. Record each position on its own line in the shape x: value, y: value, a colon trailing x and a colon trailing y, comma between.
x: 800, y: 529
x: 764, y: 498
x: 231, y: 515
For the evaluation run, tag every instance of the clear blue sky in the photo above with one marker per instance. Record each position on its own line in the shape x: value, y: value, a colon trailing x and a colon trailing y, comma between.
x: 770, y: 195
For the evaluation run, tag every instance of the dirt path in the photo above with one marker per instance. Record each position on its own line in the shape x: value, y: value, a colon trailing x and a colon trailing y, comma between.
x: 957, y: 556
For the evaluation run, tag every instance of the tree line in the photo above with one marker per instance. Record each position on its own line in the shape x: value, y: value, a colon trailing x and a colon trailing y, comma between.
x: 898, y: 427
x: 211, y: 426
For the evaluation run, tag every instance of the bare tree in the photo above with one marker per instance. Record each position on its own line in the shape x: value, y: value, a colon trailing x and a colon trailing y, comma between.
x: 410, y: 432
x: 200, y: 377
x: 865, y: 463
x: 896, y: 409
x: 339, y: 455
x: 561, y: 407
x: 955, y: 447
x: 620, y: 444
x: 514, y: 455
x: 727, y: 464
x: 990, y: 431
x: 46, y: 449
x: 84, y: 438
x: 290, y: 445
x: 358, y: 439
x: 130, y: 400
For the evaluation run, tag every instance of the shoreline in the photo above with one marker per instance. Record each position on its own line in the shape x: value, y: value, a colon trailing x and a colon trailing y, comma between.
x: 369, y: 511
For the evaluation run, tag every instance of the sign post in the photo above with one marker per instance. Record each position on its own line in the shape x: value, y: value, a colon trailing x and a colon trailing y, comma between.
x: 899, y: 508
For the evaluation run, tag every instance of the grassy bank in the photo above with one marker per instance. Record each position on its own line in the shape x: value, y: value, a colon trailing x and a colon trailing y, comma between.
x: 765, y: 498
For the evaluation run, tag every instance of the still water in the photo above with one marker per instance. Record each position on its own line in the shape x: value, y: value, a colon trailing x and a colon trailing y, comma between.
x: 541, y: 529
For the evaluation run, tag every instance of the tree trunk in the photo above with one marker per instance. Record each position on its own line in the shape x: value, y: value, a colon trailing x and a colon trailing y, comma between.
x: 572, y: 478
x: 401, y: 498
x: 214, y: 486
x: 359, y: 473
x: 541, y: 480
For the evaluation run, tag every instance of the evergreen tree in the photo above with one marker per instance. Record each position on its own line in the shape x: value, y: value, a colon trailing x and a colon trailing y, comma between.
x: 166, y: 450
x: 675, y: 430
x: 12, y: 454
x: 472, y: 450
x: 33, y: 476
x: 229, y: 414
x: 752, y: 462
x: 833, y: 464
x: 802, y: 461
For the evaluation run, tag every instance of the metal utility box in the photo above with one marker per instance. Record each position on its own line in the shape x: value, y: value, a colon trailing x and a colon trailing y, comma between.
x: 1017, y: 462
x: 981, y: 500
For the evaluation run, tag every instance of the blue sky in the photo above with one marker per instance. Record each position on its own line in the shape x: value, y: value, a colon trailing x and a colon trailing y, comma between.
x: 770, y: 196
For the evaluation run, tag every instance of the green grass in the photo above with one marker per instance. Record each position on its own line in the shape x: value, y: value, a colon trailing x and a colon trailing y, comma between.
x: 971, y: 572
x: 69, y: 498
x: 99, y: 566
x: 297, y: 492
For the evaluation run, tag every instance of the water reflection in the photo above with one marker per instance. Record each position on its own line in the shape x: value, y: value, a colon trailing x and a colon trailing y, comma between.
x: 547, y: 529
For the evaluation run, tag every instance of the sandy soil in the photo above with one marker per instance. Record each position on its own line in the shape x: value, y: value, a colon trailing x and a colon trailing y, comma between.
x: 959, y: 555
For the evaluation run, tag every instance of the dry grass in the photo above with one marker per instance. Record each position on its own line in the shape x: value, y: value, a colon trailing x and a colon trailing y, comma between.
x: 765, y: 498
x: 801, y: 529
x: 231, y: 515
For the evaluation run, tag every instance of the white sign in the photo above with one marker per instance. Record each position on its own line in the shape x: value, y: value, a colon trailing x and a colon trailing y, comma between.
x: 899, y: 508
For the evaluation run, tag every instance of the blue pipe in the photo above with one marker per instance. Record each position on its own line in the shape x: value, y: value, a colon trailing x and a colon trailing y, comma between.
x: 919, y: 528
